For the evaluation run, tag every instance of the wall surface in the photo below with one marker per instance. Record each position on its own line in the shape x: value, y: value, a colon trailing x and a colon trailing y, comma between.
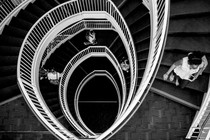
x: 157, y: 119
x: 17, y: 122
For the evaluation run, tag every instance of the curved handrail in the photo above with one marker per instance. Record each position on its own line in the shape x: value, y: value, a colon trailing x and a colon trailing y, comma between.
x: 159, y: 11
x: 202, y: 117
x: 72, y: 31
x: 31, y: 46
x: 81, y: 85
x: 71, y: 66
x: 9, y: 8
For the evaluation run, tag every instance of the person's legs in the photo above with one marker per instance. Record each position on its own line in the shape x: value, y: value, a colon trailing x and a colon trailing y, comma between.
x: 171, y: 77
x: 183, y: 83
x: 176, y: 77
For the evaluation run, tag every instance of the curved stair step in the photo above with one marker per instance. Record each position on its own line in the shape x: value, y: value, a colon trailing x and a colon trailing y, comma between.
x: 120, y: 53
x: 14, y: 31
x: 9, y: 50
x: 20, y: 23
x: 10, y: 40
x: 25, y: 15
x: 143, y: 29
x: 129, y: 6
x: 116, y: 44
x: 8, y: 60
x: 56, y: 110
x: 58, y: 113
x: 142, y: 35
x: 8, y: 70
x: 36, y: 10
x: 8, y: 81
x: 140, y: 24
x: 137, y: 13
x: 52, y: 101
x: 49, y: 94
x: 142, y: 63
x: 44, y: 5
x: 188, y: 95
x: 189, y: 24
x: 143, y: 54
x: 182, y: 7
x: 189, y: 43
x: 53, y: 3
x: 142, y: 45
x: 9, y: 92
x: 141, y: 72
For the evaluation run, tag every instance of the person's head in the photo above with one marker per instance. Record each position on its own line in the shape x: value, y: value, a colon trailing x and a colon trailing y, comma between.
x: 194, y: 59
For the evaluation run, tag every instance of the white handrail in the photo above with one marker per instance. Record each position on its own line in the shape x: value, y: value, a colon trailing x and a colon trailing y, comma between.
x: 10, y: 8
x: 82, y: 84
x: 28, y: 52
x: 201, y: 117
x: 71, y: 66
x: 72, y: 31
x: 159, y: 12
x: 31, y: 48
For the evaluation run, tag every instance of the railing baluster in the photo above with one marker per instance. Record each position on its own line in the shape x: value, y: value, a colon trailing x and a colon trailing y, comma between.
x: 58, y: 14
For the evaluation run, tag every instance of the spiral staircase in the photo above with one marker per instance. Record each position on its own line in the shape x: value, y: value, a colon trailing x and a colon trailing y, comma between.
x: 188, y: 31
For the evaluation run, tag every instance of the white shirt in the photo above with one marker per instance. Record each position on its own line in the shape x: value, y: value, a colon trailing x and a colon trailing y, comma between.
x: 53, y: 75
x: 184, y: 71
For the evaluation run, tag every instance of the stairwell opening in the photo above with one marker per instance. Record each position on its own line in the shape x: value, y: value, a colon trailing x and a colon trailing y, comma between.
x: 98, y: 104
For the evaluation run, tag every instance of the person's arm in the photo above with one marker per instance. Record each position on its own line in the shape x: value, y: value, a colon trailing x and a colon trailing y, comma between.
x: 177, y: 63
x: 205, y: 64
x: 200, y: 71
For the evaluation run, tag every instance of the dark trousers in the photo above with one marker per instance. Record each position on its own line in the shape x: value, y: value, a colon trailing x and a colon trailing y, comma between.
x: 182, y: 82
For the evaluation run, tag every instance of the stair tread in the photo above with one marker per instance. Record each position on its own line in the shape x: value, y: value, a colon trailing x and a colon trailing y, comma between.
x: 190, y: 24
x: 200, y: 84
x: 14, y: 31
x: 28, y: 16
x: 10, y: 40
x: 143, y: 54
x: 189, y: 95
x: 8, y: 60
x: 9, y: 51
x: 140, y: 24
x: 142, y: 35
x: 8, y: 70
x: 136, y: 14
x: 44, y: 5
x: 129, y: 7
x: 21, y: 23
x: 189, y: 7
x: 6, y: 81
x: 36, y: 10
x: 189, y: 43
x: 9, y: 92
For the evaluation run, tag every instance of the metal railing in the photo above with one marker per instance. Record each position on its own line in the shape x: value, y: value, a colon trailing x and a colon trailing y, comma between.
x: 82, y: 84
x: 72, y: 31
x: 159, y: 14
x: 71, y: 66
x: 32, y: 48
x: 9, y: 8
x: 200, y: 126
